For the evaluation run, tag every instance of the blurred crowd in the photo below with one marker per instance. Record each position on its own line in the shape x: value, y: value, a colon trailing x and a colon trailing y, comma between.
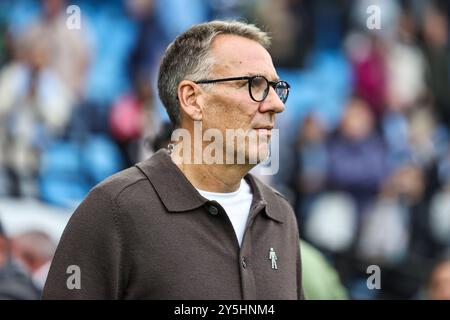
x: 364, y: 140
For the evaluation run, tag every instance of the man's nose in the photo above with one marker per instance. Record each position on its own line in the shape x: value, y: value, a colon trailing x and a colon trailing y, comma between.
x: 272, y: 103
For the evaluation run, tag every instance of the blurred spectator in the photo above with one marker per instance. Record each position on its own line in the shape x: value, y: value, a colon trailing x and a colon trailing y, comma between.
x: 369, y: 60
x: 312, y: 163
x: 150, y: 42
x: 405, y: 66
x: 68, y: 49
x: 396, y: 232
x: 436, y: 50
x: 133, y: 118
x: 288, y: 22
x: 439, y: 280
x: 34, y: 250
x: 428, y: 138
x: 353, y: 150
x: 385, y: 231
x: 4, y: 249
x: 14, y: 283
x: 416, y: 135
x: 34, y: 108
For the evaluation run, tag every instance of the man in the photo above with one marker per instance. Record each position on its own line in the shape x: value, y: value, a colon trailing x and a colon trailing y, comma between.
x: 171, y: 228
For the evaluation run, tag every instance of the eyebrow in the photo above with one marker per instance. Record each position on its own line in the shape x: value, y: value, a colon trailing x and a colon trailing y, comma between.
x: 275, y: 79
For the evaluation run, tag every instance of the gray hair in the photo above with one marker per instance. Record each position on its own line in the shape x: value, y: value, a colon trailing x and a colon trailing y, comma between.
x: 188, y: 57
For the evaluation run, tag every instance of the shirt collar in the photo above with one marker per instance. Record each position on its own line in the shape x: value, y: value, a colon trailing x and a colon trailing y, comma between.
x: 179, y: 195
x: 265, y: 196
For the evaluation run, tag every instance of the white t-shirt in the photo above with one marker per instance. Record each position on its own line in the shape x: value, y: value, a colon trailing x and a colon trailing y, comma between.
x: 236, y: 204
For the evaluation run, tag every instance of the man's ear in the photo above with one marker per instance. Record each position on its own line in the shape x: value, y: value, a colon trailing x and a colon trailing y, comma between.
x: 188, y: 96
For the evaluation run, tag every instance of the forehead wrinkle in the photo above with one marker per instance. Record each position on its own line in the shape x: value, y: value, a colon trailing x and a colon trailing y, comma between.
x: 223, y: 69
x: 231, y: 59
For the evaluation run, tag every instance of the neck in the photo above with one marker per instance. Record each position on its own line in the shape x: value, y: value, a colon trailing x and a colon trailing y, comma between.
x: 215, y: 177
x: 207, y: 177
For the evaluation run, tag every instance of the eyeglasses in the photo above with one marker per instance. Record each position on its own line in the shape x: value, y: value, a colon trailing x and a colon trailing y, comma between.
x: 258, y: 87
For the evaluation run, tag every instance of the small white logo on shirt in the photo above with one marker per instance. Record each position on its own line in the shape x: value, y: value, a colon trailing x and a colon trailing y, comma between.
x: 273, y: 258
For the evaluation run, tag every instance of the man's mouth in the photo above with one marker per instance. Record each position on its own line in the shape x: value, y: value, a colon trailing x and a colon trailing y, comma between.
x: 267, y: 130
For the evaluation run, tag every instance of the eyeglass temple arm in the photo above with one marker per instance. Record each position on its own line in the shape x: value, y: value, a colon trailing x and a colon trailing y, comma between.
x: 224, y: 79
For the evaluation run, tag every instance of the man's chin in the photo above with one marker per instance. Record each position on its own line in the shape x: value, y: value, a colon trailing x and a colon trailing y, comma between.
x: 257, y: 155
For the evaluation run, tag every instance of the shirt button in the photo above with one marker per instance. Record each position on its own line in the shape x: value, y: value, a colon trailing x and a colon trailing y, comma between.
x: 213, y: 210
x: 244, y: 263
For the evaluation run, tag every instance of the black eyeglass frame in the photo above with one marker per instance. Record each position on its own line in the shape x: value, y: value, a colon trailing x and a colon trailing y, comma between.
x: 249, y: 79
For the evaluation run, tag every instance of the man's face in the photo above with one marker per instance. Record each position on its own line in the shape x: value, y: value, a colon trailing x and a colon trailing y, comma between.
x: 228, y: 105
